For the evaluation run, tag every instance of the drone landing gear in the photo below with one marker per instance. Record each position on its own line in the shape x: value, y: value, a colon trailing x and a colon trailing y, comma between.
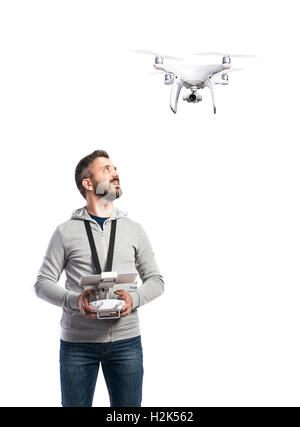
x: 210, y: 86
x: 175, y: 92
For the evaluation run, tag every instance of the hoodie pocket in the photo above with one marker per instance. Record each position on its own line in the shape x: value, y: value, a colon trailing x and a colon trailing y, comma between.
x: 66, y: 318
x: 73, y: 319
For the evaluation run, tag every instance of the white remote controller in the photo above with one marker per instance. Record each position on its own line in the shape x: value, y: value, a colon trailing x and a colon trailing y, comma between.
x: 107, y: 308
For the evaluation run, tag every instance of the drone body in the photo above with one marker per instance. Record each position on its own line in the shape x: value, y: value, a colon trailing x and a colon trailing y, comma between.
x: 193, y: 77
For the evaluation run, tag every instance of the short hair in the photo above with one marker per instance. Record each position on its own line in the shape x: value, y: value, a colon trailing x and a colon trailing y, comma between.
x: 83, y: 169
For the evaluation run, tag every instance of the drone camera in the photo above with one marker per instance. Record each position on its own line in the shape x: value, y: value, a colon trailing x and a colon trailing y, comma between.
x: 192, y: 97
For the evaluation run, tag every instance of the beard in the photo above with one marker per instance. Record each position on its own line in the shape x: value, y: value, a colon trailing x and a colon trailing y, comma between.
x: 107, y: 190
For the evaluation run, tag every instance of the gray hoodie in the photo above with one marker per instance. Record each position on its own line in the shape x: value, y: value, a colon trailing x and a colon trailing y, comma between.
x: 69, y: 250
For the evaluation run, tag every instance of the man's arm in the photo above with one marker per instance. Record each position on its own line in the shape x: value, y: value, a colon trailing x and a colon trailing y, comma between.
x: 152, y: 281
x: 46, y: 286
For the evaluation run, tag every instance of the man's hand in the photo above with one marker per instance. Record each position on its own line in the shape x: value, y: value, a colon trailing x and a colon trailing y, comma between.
x: 128, y: 302
x: 83, y: 304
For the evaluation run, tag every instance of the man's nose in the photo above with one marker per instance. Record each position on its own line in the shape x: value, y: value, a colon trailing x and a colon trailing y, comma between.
x: 115, y: 174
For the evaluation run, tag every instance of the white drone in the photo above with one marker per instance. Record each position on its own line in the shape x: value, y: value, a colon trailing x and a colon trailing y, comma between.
x: 193, y: 77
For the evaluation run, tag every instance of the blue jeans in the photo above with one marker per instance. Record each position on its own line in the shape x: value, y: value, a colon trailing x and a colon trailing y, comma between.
x: 122, y: 366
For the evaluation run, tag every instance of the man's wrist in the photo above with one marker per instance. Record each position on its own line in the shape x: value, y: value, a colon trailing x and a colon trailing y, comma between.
x: 72, y: 300
x: 135, y: 299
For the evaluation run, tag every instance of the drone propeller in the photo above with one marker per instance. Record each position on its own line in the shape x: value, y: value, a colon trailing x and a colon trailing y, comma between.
x: 230, y: 70
x: 149, y: 52
x: 156, y: 72
x: 235, y: 55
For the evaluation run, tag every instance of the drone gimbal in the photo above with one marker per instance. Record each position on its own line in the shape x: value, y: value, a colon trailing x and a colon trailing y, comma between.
x: 193, y: 96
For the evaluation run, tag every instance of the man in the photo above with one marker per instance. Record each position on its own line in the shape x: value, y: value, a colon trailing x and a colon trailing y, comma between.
x: 85, y: 340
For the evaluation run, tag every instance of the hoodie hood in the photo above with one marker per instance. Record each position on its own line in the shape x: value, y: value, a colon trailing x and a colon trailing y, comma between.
x: 82, y: 214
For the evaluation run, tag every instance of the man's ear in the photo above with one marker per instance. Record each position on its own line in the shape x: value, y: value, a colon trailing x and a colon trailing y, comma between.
x: 86, y: 183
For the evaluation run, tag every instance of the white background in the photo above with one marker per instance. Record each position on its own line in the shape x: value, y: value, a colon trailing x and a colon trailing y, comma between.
x: 217, y: 194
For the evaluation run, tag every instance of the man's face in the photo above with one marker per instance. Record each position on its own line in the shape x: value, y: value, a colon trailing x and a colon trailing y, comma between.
x: 105, y: 180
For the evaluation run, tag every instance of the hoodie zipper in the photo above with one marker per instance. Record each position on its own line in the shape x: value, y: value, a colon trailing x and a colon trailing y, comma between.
x: 105, y: 248
x: 105, y: 251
